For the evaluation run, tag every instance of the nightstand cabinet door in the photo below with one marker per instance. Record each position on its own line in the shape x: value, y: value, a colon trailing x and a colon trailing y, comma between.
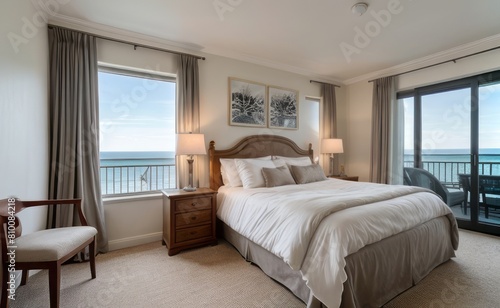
x: 188, y: 219
x: 345, y: 178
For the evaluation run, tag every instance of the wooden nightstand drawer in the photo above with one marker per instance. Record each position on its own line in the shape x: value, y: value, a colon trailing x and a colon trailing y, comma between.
x: 188, y: 219
x: 192, y: 204
x: 191, y: 218
x: 345, y: 177
x: 193, y: 233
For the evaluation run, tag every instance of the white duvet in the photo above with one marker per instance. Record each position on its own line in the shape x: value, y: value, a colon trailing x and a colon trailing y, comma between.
x: 294, y: 222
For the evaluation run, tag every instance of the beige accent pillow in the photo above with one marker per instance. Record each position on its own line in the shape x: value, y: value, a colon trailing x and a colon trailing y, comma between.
x: 277, y: 176
x: 307, y: 174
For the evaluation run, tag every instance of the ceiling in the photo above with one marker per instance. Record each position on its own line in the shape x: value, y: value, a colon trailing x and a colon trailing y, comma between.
x: 316, y: 38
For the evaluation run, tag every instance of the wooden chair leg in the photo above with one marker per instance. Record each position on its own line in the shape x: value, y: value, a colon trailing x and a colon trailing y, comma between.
x: 4, y: 302
x: 92, y: 258
x: 24, y: 276
x: 54, y: 284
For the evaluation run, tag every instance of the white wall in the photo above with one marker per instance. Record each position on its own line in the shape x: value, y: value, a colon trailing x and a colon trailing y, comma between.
x: 358, y: 132
x: 359, y: 103
x: 470, y: 66
x: 134, y: 221
x: 23, y: 109
x: 214, y: 74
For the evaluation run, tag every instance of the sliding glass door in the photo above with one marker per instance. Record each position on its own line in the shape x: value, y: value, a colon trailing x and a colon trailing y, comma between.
x: 452, y: 130
x: 444, y: 138
x: 489, y: 152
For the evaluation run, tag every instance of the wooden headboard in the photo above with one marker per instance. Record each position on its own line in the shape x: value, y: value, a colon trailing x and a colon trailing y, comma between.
x: 252, y: 147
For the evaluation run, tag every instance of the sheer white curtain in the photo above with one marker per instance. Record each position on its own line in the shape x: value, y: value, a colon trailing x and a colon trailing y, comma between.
x: 329, y: 120
x: 188, y: 111
x: 386, y: 160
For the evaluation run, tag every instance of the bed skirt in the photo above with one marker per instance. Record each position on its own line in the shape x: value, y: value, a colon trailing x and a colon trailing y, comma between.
x: 376, y: 273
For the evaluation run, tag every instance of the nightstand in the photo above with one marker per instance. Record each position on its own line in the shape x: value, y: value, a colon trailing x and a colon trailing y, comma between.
x: 346, y: 178
x: 188, y: 219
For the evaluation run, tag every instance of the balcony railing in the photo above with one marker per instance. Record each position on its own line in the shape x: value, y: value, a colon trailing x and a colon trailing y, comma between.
x: 135, y: 179
x: 447, y: 172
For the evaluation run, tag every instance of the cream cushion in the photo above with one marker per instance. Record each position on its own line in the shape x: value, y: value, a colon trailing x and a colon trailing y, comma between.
x: 278, y: 176
x: 51, y: 244
x: 307, y: 174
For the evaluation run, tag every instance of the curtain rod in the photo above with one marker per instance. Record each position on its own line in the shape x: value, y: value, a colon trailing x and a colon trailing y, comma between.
x: 311, y: 81
x: 129, y: 43
x: 443, y: 62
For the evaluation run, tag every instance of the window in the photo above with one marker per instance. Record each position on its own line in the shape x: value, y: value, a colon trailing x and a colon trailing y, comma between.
x: 408, y: 128
x: 137, y: 131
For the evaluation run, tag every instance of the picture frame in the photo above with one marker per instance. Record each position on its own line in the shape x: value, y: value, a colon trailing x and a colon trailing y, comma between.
x: 283, y: 108
x: 247, y: 103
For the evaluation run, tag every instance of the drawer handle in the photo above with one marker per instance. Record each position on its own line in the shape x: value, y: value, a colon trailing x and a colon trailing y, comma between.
x: 194, y: 203
x: 193, y: 232
x: 193, y: 217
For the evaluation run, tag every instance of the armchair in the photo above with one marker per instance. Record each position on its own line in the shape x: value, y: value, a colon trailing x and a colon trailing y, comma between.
x: 423, y: 178
x: 45, y: 249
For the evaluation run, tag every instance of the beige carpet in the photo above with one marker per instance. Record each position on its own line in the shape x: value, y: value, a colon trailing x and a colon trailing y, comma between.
x: 145, y: 276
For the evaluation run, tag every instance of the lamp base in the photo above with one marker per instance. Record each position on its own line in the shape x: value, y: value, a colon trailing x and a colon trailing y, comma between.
x: 189, y: 188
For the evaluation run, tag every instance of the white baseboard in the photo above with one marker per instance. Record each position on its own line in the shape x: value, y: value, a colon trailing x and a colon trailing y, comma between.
x: 134, y: 241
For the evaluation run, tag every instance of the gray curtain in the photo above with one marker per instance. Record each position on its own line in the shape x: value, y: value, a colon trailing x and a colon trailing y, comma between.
x: 188, y: 109
x: 74, y: 130
x: 381, y: 147
x: 329, y: 129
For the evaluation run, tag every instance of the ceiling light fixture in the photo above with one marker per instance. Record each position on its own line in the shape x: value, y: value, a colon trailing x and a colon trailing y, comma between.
x: 359, y: 8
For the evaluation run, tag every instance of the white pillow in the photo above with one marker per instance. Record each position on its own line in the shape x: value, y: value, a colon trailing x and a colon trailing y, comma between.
x: 250, y: 171
x: 294, y: 161
x: 229, y: 173
x: 230, y: 176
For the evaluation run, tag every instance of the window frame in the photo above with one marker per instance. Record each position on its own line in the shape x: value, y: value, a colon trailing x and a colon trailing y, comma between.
x: 144, y: 74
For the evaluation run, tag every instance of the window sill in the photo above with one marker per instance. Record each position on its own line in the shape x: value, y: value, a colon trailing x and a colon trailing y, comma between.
x: 131, y: 198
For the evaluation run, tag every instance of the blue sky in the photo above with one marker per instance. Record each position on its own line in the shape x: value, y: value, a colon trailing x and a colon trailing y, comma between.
x: 447, y: 119
x: 136, y: 114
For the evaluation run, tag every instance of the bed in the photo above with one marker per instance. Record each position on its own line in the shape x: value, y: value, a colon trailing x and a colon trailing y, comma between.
x: 342, y: 255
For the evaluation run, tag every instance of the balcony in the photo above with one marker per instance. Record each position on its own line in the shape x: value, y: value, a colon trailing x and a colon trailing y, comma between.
x: 447, y: 172
x: 133, y: 179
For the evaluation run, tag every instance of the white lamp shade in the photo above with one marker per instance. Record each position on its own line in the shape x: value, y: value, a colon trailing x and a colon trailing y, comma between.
x: 190, y: 144
x: 331, y: 146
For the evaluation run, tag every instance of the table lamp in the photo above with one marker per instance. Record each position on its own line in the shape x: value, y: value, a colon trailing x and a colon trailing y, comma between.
x: 190, y: 144
x: 331, y: 146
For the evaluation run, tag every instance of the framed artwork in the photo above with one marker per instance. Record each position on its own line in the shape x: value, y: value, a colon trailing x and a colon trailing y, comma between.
x: 283, y: 108
x: 247, y: 103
